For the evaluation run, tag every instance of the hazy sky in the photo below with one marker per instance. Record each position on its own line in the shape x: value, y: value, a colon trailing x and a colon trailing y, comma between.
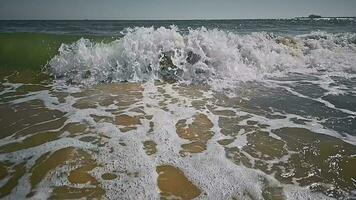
x: 172, y: 9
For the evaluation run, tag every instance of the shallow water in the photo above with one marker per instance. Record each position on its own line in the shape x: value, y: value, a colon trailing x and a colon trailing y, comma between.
x: 160, y: 140
x: 240, y: 116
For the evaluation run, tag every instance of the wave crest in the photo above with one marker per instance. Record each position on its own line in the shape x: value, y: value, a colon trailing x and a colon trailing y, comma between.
x: 202, y: 55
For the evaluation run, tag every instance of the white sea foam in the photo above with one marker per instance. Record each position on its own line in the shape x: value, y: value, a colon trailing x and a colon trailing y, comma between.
x: 212, y: 56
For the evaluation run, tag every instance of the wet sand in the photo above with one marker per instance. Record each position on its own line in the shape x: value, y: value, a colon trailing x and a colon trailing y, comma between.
x: 163, y: 141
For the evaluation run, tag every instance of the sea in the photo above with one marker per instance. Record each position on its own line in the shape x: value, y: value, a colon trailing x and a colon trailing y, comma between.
x: 178, y: 109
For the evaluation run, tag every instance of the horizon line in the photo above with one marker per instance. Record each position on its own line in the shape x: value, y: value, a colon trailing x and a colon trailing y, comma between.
x: 180, y: 19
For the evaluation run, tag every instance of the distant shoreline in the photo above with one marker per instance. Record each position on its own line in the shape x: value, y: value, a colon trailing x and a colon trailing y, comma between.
x: 291, y: 18
x: 324, y: 17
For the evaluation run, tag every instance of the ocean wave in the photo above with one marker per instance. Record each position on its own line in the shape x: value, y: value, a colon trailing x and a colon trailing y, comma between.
x: 202, y: 55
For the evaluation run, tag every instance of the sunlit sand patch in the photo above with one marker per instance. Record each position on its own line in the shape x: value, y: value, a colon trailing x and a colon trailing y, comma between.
x: 81, y: 176
x: 3, y: 170
x: 198, y: 132
x: 40, y: 138
x: 127, y: 123
x: 16, y: 173
x: 123, y: 95
x: 75, y: 129
x: 101, y: 119
x: 172, y: 183
x: 67, y: 192
x: 85, y: 103
x: 29, y: 142
x: 126, y: 120
x: 48, y: 162
x: 150, y: 147
x: 194, y: 147
x: 40, y: 127
x: 91, y: 139
x: 121, y: 98
x: 28, y: 118
x: 109, y: 176
x: 226, y: 141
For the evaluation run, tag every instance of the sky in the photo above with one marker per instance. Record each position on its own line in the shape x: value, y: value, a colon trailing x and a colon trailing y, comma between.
x: 172, y: 9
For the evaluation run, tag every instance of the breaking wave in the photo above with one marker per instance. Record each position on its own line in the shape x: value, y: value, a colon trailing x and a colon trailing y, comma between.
x: 202, y: 55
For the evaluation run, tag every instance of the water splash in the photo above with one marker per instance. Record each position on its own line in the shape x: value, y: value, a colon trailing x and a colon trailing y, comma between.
x: 210, y: 56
